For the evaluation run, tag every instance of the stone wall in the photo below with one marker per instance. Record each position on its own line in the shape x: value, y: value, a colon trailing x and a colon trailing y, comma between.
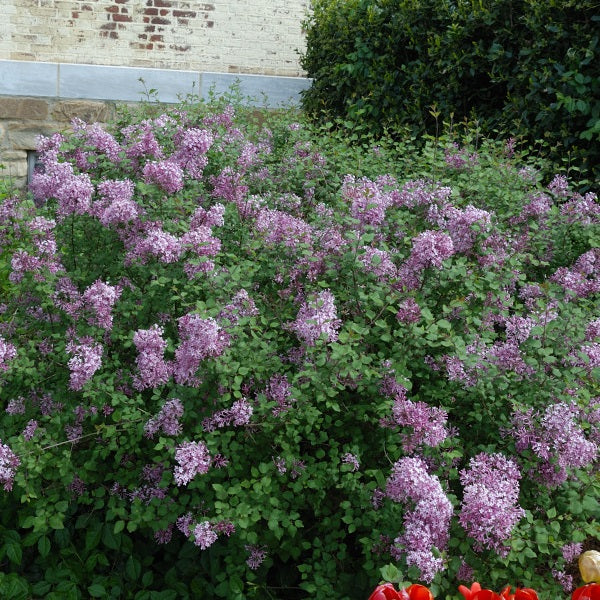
x: 42, y: 98
x: 22, y: 120
x: 227, y: 36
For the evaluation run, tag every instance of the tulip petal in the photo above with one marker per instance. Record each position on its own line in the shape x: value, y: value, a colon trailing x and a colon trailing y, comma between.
x: 418, y: 592
x: 385, y: 592
x: 486, y: 595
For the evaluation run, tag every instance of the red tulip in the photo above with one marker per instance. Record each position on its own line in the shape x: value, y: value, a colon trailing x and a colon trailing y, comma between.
x: 476, y: 593
x: 385, y: 592
x: 418, y: 592
x: 469, y: 593
x: 591, y: 591
x: 520, y: 594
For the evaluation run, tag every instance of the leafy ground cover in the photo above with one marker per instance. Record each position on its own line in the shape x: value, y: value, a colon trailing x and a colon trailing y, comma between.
x: 244, y: 357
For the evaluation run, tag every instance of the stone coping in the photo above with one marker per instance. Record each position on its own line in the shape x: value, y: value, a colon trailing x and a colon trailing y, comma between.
x: 129, y: 84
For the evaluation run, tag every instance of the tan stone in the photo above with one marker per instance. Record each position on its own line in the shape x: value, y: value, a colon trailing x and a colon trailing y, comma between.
x: 23, y: 108
x: 14, y: 163
x: 23, y: 136
x: 88, y: 111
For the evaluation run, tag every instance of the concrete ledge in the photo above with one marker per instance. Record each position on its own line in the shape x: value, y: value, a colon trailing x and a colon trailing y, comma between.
x: 130, y: 84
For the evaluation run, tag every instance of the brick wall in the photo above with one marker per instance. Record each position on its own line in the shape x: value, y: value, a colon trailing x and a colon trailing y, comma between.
x: 227, y: 36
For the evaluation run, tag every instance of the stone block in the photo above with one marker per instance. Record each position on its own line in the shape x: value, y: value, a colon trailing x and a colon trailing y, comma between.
x: 23, y: 108
x: 15, y: 164
x: 23, y: 136
x: 90, y: 112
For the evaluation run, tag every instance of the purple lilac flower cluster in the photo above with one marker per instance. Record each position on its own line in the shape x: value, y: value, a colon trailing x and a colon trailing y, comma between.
x: 426, y: 519
x: 556, y: 438
x: 193, y: 459
x: 167, y: 420
x: 153, y: 370
x: 239, y: 414
x: 200, y: 339
x: 100, y: 298
x: 9, y: 463
x: 316, y: 318
x: 7, y: 353
x: 86, y: 359
x: 489, y: 508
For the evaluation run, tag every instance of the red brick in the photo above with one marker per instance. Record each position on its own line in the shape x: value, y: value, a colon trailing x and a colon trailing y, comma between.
x: 122, y: 18
x: 184, y: 13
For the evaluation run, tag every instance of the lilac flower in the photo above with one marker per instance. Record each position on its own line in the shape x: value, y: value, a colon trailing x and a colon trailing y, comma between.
x: 77, y: 486
x: 167, y: 420
x: 153, y: 369
x: 204, y: 535
x: 565, y: 580
x: 227, y: 185
x: 351, y: 459
x: 239, y: 414
x: 557, y: 440
x: 279, y: 227
x: 316, y: 318
x: 368, y: 202
x: 140, y: 141
x: 86, y: 360
x: 119, y: 206
x: 461, y: 226
x: 30, y: 429
x: 571, y: 551
x: 163, y: 536
x: 459, y: 158
x: 409, y: 311
x: 200, y: 339
x: 100, y: 297
x: 166, y: 174
x: 193, y: 458
x: 161, y: 244
x: 279, y: 390
x: 593, y: 330
x: 428, y: 423
x: 9, y: 463
x: 257, y: 556
x: 457, y: 371
x: 201, y: 241
x: 213, y: 217
x: 582, y: 209
x: 426, y: 519
x: 192, y: 146
x: 16, y: 406
x: 184, y: 523
x: 489, y: 509
x: 508, y: 357
x: 430, y: 249
x: 559, y: 186
x: 7, y: 353
x: 379, y: 263
x: 67, y: 297
x: 241, y: 305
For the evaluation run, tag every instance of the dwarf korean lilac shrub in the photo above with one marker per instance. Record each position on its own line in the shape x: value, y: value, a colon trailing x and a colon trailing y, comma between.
x: 243, y: 359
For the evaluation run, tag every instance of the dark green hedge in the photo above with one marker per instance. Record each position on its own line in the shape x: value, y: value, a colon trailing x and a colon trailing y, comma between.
x: 527, y: 68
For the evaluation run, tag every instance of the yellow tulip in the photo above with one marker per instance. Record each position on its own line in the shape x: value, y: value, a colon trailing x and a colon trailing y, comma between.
x: 589, y: 566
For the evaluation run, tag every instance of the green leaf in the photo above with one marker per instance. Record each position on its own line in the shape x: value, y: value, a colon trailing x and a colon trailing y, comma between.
x: 14, y: 552
x: 97, y: 590
x: 44, y: 546
x: 133, y: 568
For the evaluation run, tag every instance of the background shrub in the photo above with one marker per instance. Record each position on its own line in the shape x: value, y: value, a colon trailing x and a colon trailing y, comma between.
x: 527, y: 68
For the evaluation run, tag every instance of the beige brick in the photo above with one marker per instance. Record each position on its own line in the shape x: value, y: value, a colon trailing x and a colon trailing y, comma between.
x: 23, y: 108
x: 23, y: 136
x: 88, y: 111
